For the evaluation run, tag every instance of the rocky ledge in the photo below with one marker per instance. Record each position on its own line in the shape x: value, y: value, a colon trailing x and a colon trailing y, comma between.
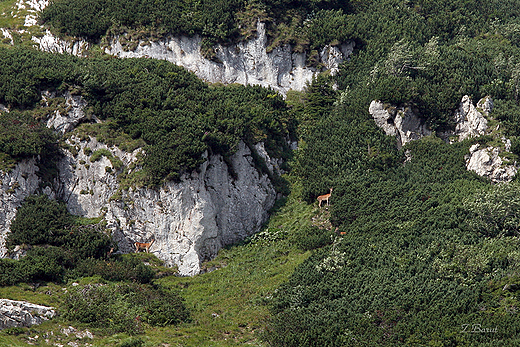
x: 23, y: 314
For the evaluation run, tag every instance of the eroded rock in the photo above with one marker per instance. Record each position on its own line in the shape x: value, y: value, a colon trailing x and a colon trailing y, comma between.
x: 244, y: 63
x: 487, y: 162
x: 15, y: 186
x: 23, y: 314
x: 400, y: 122
x: 469, y: 121
x: 74, y: 113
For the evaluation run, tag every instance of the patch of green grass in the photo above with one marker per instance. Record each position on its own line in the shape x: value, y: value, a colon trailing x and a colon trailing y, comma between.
x: 104, y: 132
x: 41, y: 294
x: 11, y: 341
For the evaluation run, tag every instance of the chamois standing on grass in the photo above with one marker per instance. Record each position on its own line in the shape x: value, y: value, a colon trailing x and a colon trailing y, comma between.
x: 325, y: 197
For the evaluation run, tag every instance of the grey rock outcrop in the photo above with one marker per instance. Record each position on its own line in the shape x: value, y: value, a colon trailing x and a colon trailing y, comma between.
x: 469, y: 121
x: 189, y: 221
x: 65, y: 121
x: 487, y: 162
x: 23, y: 314
x: 243, y: 63
x: 86, y: 186
x: 402, y: 123
x: 15, y: 186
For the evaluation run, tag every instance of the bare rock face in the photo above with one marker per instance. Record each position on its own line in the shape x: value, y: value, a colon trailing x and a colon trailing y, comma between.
x: 469, y: 121
x: 32, y: 7
x: 486, y: 162
x: 63, y: 122
x: 23, y: 314
x: 86, y: 186
x: 190, y: 221
x: 53, y: 44
x: 15, y: 186
x: 402, y: 123
x: 243, y: 63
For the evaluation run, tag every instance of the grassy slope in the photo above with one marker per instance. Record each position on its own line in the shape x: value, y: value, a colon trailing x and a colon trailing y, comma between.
x: 228, y: 305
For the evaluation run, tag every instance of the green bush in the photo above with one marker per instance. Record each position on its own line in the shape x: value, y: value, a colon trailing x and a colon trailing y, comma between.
x: 44, y: 264
x: 40, y: 221
x: 87, y: 242
x: 120, y: 268
x: 99, y: 153
x: 8, y: 272
x: 312, y: 237
x: 21, y: 136
x: 124, y: 307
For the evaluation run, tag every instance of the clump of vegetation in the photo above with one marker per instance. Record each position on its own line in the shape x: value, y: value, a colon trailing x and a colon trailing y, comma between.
x: 124, y: 307
x: 21, y: 136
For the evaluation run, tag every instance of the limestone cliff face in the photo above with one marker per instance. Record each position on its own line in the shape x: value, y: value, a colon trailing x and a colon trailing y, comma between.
x: 189, y: 221
x: 470, y: 122
x: 65, y: 120
x: 15, y: 186
x: 243, y: 63
x: 401, y: 122
x: 486, y: 161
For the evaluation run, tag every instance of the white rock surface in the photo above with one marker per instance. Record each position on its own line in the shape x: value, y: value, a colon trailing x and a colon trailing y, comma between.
x: 53, y: 44
x: 469, y: 121
x: 86, y: 186
x: 402, y: 123
x: 7, y: 34
x: 74, y: 114
x: 15, y: 186
x: 32, y: 7
x: 243, y: 63
x: 23, y: 314
x: 190, y: 221
x: 486, y: 162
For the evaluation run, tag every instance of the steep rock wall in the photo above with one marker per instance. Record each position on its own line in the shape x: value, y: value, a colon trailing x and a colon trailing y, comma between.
x: 15, y: 186
x: 243, y: 63
x: 189, y: 221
